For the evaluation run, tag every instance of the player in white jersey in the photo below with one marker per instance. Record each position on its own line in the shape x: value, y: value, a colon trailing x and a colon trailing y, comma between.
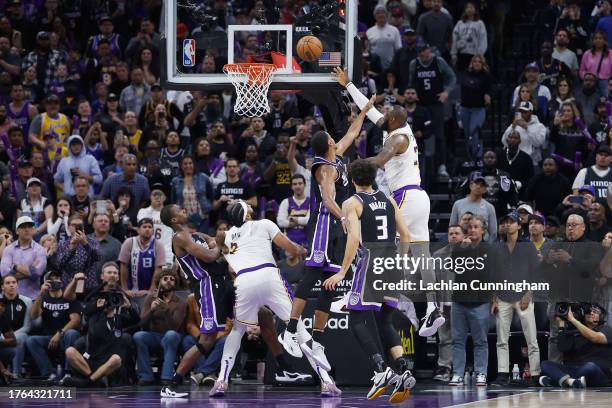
x: 399, y: 157
x: 259, y: 283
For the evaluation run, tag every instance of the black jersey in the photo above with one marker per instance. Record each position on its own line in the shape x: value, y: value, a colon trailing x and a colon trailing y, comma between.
x: 428, y: 82
x: 341, y: 184
x: 377, y: 218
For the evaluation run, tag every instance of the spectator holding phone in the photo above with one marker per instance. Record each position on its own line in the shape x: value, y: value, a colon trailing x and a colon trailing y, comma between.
x: 60, y: 321
x: 58, y: 224
x: 24, y: 258
x: 577, y: 203
x: 77, y: 164
x: 78, y: 254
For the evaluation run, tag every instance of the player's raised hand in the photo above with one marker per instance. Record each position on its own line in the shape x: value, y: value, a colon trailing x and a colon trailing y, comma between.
x: 341, y: 76
x: 331, y: 282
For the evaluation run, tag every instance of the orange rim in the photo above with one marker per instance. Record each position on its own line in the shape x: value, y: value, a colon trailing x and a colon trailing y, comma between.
x: 256, y: 73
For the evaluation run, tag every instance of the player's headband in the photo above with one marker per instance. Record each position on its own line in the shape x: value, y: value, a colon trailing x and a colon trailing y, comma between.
x: 245, y: 208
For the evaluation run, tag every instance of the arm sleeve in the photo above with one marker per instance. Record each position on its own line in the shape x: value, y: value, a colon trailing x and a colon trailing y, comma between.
x: 282, y: 218
x: 373, y: 114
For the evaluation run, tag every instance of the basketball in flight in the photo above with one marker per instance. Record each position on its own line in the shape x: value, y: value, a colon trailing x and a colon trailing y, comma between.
x: 309, y: 48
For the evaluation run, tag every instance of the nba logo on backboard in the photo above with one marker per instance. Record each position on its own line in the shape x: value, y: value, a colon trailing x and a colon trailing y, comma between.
x: 189, y: 52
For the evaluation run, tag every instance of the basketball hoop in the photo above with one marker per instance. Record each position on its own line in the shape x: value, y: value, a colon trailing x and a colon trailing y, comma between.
x: 251, y: 82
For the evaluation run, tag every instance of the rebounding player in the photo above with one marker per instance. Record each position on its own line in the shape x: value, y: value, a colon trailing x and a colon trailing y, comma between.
x: 399, y: 157
x: 373, y: 218
x: 258, y: 284
x: 329, y: 188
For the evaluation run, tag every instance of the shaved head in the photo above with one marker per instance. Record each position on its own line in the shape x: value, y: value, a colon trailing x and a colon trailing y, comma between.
x: 395, y: 118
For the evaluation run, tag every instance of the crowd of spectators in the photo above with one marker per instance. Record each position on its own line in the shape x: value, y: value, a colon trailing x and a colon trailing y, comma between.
x: 92, y: 147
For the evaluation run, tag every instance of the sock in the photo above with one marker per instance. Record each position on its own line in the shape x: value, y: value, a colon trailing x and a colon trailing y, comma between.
x: 378, y: 362
x: 282, y: 363
x: 292, y: 325
x: 317, y: 335
x: 401, y: 364
x: 177, y: 379
x: 323, y: 375
x: 230, y: 349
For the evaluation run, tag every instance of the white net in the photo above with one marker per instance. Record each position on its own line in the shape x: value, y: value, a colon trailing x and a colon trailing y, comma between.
x: 251, y: 82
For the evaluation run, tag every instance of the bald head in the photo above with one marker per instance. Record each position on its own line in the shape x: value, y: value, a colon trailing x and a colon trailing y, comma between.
x: 396, y: 117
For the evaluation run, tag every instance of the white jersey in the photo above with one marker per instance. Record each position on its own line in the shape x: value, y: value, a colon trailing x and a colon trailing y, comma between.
x: 250, y: 245
x: 403, y: 169
x: 161, y: 232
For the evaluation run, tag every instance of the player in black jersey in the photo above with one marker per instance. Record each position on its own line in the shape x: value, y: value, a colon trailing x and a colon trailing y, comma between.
x: 329, y: 188
x: 373, y: 218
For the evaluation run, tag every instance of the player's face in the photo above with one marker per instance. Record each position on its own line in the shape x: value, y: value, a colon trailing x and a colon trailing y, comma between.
x: 180, y: 215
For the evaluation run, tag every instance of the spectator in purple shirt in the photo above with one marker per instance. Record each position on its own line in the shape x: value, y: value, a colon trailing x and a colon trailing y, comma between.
x: 24, y: 258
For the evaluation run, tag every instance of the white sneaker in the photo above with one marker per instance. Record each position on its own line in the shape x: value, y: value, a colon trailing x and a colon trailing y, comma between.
x: 381, y: 381
x: 168, y: 392
x: 442, y: 171
x: 290, y: 377
x: 481, y: 379
x: 317, y: 353
x: 339, y: 306
x: 431, y: 323
x: 456, y: 381
x: 329, y: 389
x: 290, y: 343
x: 218, y: 390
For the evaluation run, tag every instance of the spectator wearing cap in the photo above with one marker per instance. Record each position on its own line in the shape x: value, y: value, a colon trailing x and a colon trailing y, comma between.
x: 134, y: 96
x: 598, y: 222
x: 402, y: 59
x: 436, y: 28
x: 140, y: 260
x: 517, y: 262
x: 36, y: 206
x: 598, y: 61
x: 107, y: 28
x: 537, y: 228
x: 599, y: 175
x: 25, y: 172
x: 77, y: 164
x: 148, y: 113
x: 588, y: 96
x: 60, y: 322
x: 111, y: 115
x: 577, y: 203
x: 477, y: 205
x: 540, y: 92
x: 51, y: 122
x: 44, y: 56
x: 564, y: 54
x: 136, y: 183
x: 383, y: 38
x: 163, y: 319
x: 162, y: 232
x: 516, y: 162
x: 433, y: 80
x: 524, y: 211
x: 475, y: 97
x: 78, y: 253
x: 547, y: 188
x: 24, y: 258
x: 469, y: 38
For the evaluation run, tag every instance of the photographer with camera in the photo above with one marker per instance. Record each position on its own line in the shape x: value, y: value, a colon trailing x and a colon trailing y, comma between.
x: 163, y: 320
x: 108, y: 312
x: 586, y: 344
x: 60, y: 322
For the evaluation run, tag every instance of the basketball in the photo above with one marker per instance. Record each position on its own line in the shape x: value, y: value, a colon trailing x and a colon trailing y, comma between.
x: 309, y: 48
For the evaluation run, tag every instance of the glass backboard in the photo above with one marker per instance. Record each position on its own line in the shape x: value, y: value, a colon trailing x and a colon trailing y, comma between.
x: 200, y: 36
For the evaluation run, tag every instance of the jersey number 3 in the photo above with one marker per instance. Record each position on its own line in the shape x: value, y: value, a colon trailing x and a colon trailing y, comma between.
x: 382, y: 227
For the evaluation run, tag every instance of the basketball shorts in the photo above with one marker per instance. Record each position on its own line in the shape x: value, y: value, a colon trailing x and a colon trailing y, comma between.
x: 259, y: 286
x: 362, y: 295
x: 414, y: 205
x: 327, y: 243
x: 212, y: 293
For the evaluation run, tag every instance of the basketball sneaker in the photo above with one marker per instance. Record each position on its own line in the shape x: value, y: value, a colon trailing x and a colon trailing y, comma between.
x: 380, y: 382
x: 290, y: 343
x: 317, y: 353
x: 403, y: 384
x: 546, y: 381
x: 218, y: 390
x: 329, y: 389
x: 431, y: 322
x: 168, y: 392
x: 288, y: 377
x: 339, y: 306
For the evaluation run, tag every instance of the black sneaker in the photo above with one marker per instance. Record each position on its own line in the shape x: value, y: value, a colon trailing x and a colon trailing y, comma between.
x: 431, y: 323
x: 290, y: 377
x: 442, y: 374
x: 502, y: 379
x: 579, y: 383
x: 546, y: 381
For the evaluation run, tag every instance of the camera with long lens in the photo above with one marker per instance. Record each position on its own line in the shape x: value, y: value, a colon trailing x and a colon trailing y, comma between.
x: 114, y: 298
x: 562, y: 309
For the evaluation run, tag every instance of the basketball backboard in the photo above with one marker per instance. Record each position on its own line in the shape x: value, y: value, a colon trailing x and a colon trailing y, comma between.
x: 200, y: 36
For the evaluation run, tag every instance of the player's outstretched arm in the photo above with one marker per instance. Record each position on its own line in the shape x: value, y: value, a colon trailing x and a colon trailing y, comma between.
x: 183, y: 240
x: 341, y: 76
x: 395, y: 144
x: 281, y: 241
x: 350, y: 210
x: 326, y: 176
x: 355, y: 129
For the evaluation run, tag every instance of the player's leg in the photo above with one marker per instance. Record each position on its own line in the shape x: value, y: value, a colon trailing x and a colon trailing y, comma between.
x: 230, y: 349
